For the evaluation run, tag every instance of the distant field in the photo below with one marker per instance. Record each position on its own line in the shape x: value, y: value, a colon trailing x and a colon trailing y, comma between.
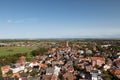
x: 14, y: 50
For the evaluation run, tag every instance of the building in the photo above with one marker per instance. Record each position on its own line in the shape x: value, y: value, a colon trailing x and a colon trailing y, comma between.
x: 97, y: 61
x: 49, y: 71
x: 115, y: 72
x: 94, y: 74
x: 5, y: 69
x: 67, y: 44
x: 17, y: 67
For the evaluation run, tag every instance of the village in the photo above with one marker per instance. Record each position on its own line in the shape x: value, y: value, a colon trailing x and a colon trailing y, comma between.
x: 67, y: 63
x: 59, y: 39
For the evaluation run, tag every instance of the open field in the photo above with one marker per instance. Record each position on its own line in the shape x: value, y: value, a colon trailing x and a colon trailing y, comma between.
x: 14, y: 50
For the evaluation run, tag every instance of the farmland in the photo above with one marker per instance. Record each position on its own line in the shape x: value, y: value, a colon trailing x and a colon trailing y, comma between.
x: 4, y: 51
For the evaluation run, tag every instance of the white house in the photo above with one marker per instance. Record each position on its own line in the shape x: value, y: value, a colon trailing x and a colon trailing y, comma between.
x: 107, y: 45
x: 81, y: 51
x: 94, y: 74
x: 106, y: 67
x: 17, y: 69
x: 28, y: 64
x: 56, y: 71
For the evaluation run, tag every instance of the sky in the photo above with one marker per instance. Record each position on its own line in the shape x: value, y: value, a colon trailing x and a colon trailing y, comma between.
x: 59, y: 19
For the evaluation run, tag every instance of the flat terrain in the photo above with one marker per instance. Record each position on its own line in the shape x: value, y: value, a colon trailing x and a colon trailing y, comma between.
x: 14, y: 50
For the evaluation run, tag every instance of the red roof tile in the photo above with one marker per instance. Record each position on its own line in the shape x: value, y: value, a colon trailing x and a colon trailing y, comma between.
x: 16, y: 75
x: 5, y: 68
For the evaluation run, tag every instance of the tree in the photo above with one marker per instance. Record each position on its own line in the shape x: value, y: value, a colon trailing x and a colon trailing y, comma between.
x: 34, y: 72
x: 77, y: 68
x: 0, y: 74
x: 96, y: 66
x: 60, y: 76
x: 28, y: 57
x: 9, y: 73
x: 40, y: 51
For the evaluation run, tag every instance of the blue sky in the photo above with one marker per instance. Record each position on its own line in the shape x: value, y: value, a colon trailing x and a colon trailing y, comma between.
x: 59, y: 18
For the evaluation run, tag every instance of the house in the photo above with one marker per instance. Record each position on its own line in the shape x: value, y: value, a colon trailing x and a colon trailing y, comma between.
x: 49, y: 51
x: 94, y: 74
x: 54, y: 77
x: 36, y: 67
x: 85, y: 75
x: 88, y: 67
x: 69, y: 76
x: 46, y: 77
x: 49, y: 71
x: 85, y: 59
x: 27, y: 64
x: 70, y: 69
x: 82, y: 75
x: 4, y: 44
x: 32, y: 63
x: 19, y: 76
x: 54, y: 63
x: 42, y: 71
x: 56, y: 71
x: 8, y: 78
x: 61, y: 62
x: 53, y: 49
x: 117, y: 63
x: 115, y: 71
x: 88, y: 51
x: 16, y: 75
x: 5, y: 69
x: 17, y: 67
x: 93, y: 60
x: 43, y: 65
x: 118, y: 54
x: 69, y: 63
x: 81, y: 51
x: 107, y: 45
x: 37, y: 58
x: 97, y: 61
x: 106, y: 67
x: 82, y: 63
x: 109, y: 62
x: 23, y: 75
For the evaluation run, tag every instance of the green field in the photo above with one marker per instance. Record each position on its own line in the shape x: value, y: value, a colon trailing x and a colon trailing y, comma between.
x: 14, y: 50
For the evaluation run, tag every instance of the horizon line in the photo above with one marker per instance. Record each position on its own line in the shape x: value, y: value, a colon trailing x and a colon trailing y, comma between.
x: 57, y: 38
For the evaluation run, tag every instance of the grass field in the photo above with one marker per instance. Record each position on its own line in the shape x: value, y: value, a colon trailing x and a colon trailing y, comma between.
x: 14, y: 50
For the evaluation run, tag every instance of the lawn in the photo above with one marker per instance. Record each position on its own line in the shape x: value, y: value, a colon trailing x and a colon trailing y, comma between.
x: 14, y: 50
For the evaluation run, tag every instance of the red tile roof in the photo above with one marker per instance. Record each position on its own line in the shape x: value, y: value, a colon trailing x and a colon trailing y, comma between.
x: 115, y: 71
x: 46, y: 77
x: 53, y: 77
x: 96, y: 58
x: 43, y: 65
x: 16, y: 75
x: 5, y: 68
x: 69, y: 76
